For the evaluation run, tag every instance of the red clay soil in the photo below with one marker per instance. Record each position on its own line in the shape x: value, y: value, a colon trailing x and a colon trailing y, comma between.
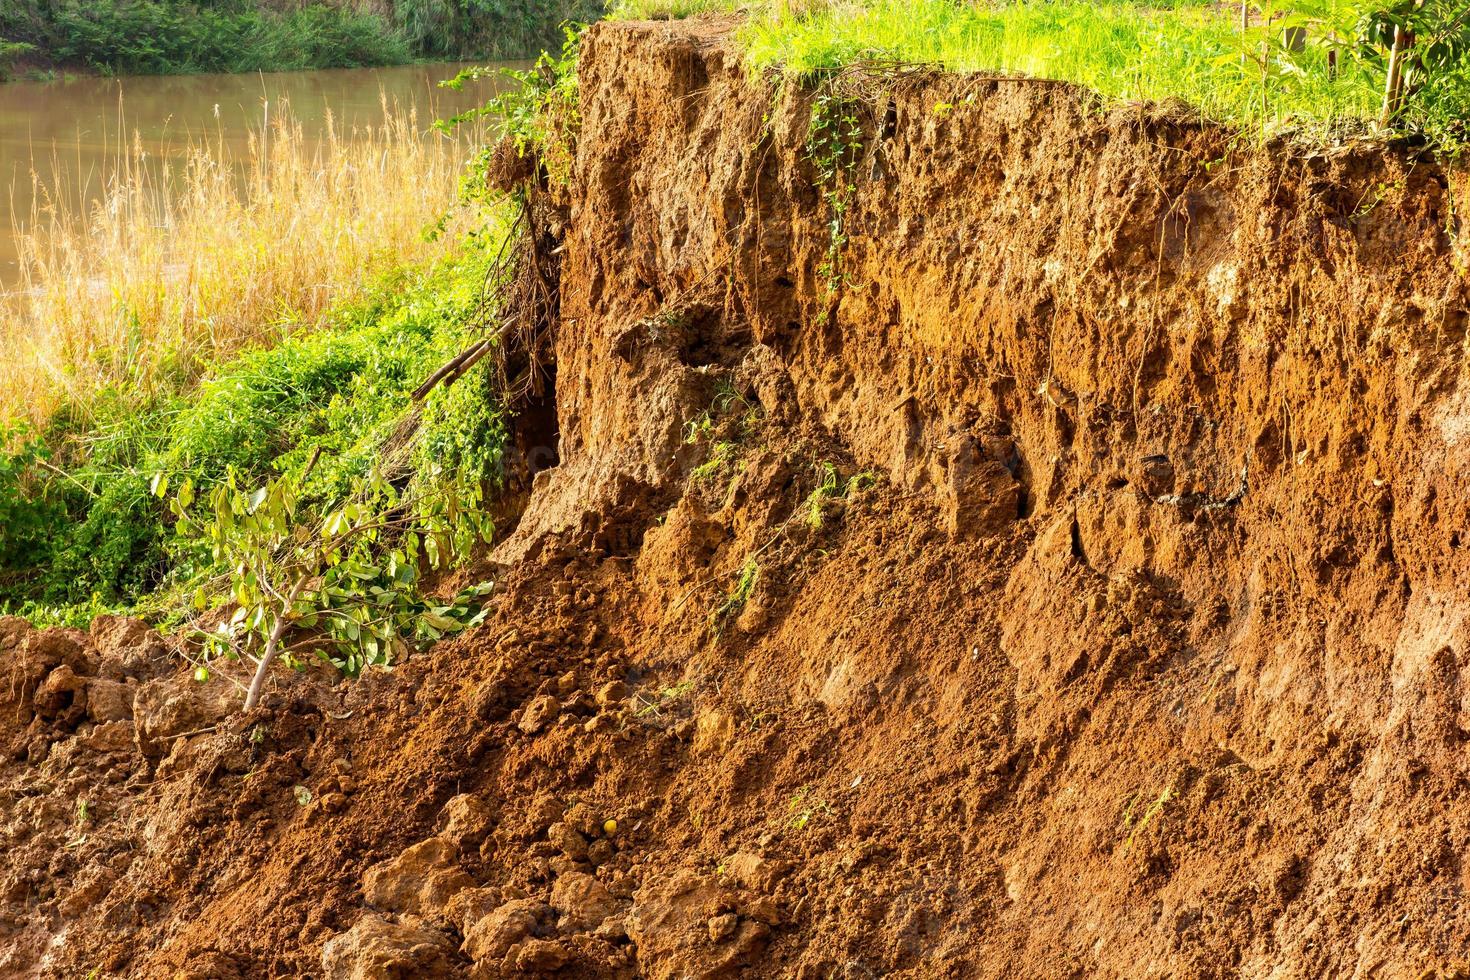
x: 1141, y: 655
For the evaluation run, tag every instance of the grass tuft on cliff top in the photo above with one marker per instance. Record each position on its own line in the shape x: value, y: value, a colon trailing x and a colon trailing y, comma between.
x: 1174, y: 49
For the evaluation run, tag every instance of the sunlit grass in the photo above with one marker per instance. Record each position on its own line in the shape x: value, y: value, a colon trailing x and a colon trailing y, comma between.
x: 1176, y: 49
x: 678, y: 9
x: 187, y: 260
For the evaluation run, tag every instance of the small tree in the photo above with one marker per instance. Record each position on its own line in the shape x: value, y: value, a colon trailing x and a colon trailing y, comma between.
x: 1425, y: 42
x: 352, y: 575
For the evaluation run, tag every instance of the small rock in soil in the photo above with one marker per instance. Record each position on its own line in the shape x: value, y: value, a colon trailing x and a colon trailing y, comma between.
x: 109, y: 701
x: 754, y: 872
x: 542, y: 956
x: 713, y: 732
x: 583, y: 819
x: 62, y: 694
x: 538, y: 713
x: 568, y: 841
x: 466, y: 821
x: 376, y: 949
x: 422, y: 878
x: 600, y: 852
x: 722, y: 927
x: 611, y: 693
x: 583, y: 901
x: 493, y: 936
x: 471, y: 905
x: 563, y: 865
x: 114, y: 736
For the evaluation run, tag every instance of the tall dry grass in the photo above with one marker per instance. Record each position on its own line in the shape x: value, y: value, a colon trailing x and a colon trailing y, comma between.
x: 225, y: 244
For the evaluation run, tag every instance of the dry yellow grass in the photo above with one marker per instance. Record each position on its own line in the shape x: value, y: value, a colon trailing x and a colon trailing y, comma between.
x: 191, y: 259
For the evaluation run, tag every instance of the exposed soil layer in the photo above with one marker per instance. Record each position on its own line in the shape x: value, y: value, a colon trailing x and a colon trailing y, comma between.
x: 1075, y: 580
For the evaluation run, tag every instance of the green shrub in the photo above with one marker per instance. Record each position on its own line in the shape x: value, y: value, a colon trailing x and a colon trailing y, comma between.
x: 318, y: 409
x: 28, y: 508
x: 164, y: 37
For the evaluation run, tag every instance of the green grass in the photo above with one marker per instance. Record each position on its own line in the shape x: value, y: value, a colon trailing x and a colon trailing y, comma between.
x: 672, y: 9
x: 1189, y: 51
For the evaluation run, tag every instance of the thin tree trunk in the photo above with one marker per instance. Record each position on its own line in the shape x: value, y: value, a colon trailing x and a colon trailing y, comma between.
x: 1245, y: 24
x: 273, y: 645
x: 1393, y: 93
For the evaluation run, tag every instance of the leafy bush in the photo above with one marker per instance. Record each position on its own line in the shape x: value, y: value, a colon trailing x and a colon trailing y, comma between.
x: 28, y: 512
x: 326, y: 411
x: 350, y: 573
x: 538, y: 116
x: 181, y: 36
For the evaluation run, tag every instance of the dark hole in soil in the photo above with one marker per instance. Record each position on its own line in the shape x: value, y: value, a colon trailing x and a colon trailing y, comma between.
x: 537, y: 434
x: 535, y: 446
x: 890, y: 120
x: 702, y: 338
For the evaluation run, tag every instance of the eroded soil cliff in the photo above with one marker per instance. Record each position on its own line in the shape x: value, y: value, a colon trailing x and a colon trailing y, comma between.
x: 1081, y: 587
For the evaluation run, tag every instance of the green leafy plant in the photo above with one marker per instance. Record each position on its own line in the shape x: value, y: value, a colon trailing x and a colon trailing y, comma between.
x: 176, y: 37
x: 804, y: 807
x: 539, y: 116
x: 28, y: 511
x: 10, y: 53
x: 726, y: 425
x: 86, y: 534
x: 1422, y: 46
x: 666, y: 696
x: 497, y: 29
x: 351, y: 575
x: 834, y: 145
x: 722, y: 455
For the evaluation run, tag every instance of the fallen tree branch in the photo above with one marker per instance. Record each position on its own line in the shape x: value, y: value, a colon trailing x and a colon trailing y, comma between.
x: 456, y: 367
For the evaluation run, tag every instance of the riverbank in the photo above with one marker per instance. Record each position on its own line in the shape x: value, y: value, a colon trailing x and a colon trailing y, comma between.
x: 1021, y: 538
x: 170, y: 37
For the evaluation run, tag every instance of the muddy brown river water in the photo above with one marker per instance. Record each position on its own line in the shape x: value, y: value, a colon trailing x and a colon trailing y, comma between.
x: 66, y: 137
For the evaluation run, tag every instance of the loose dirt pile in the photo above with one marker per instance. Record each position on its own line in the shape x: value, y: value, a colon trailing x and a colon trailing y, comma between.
x: 1082, y: 588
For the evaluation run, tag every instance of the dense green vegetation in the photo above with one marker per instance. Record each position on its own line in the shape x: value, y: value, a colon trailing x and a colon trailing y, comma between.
x: 185, y: 36
x: 488, y: 28
x: 329, y: 412
x: 1320, y: 63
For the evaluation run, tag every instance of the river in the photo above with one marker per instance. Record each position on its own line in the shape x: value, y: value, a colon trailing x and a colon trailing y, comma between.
x: 65, y: 137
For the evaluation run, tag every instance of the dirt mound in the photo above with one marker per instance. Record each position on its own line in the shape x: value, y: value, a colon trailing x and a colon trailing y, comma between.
x: 1080, y: 588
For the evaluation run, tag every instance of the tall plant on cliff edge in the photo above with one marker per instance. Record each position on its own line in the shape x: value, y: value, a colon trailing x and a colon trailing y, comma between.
x: 537, y: 118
